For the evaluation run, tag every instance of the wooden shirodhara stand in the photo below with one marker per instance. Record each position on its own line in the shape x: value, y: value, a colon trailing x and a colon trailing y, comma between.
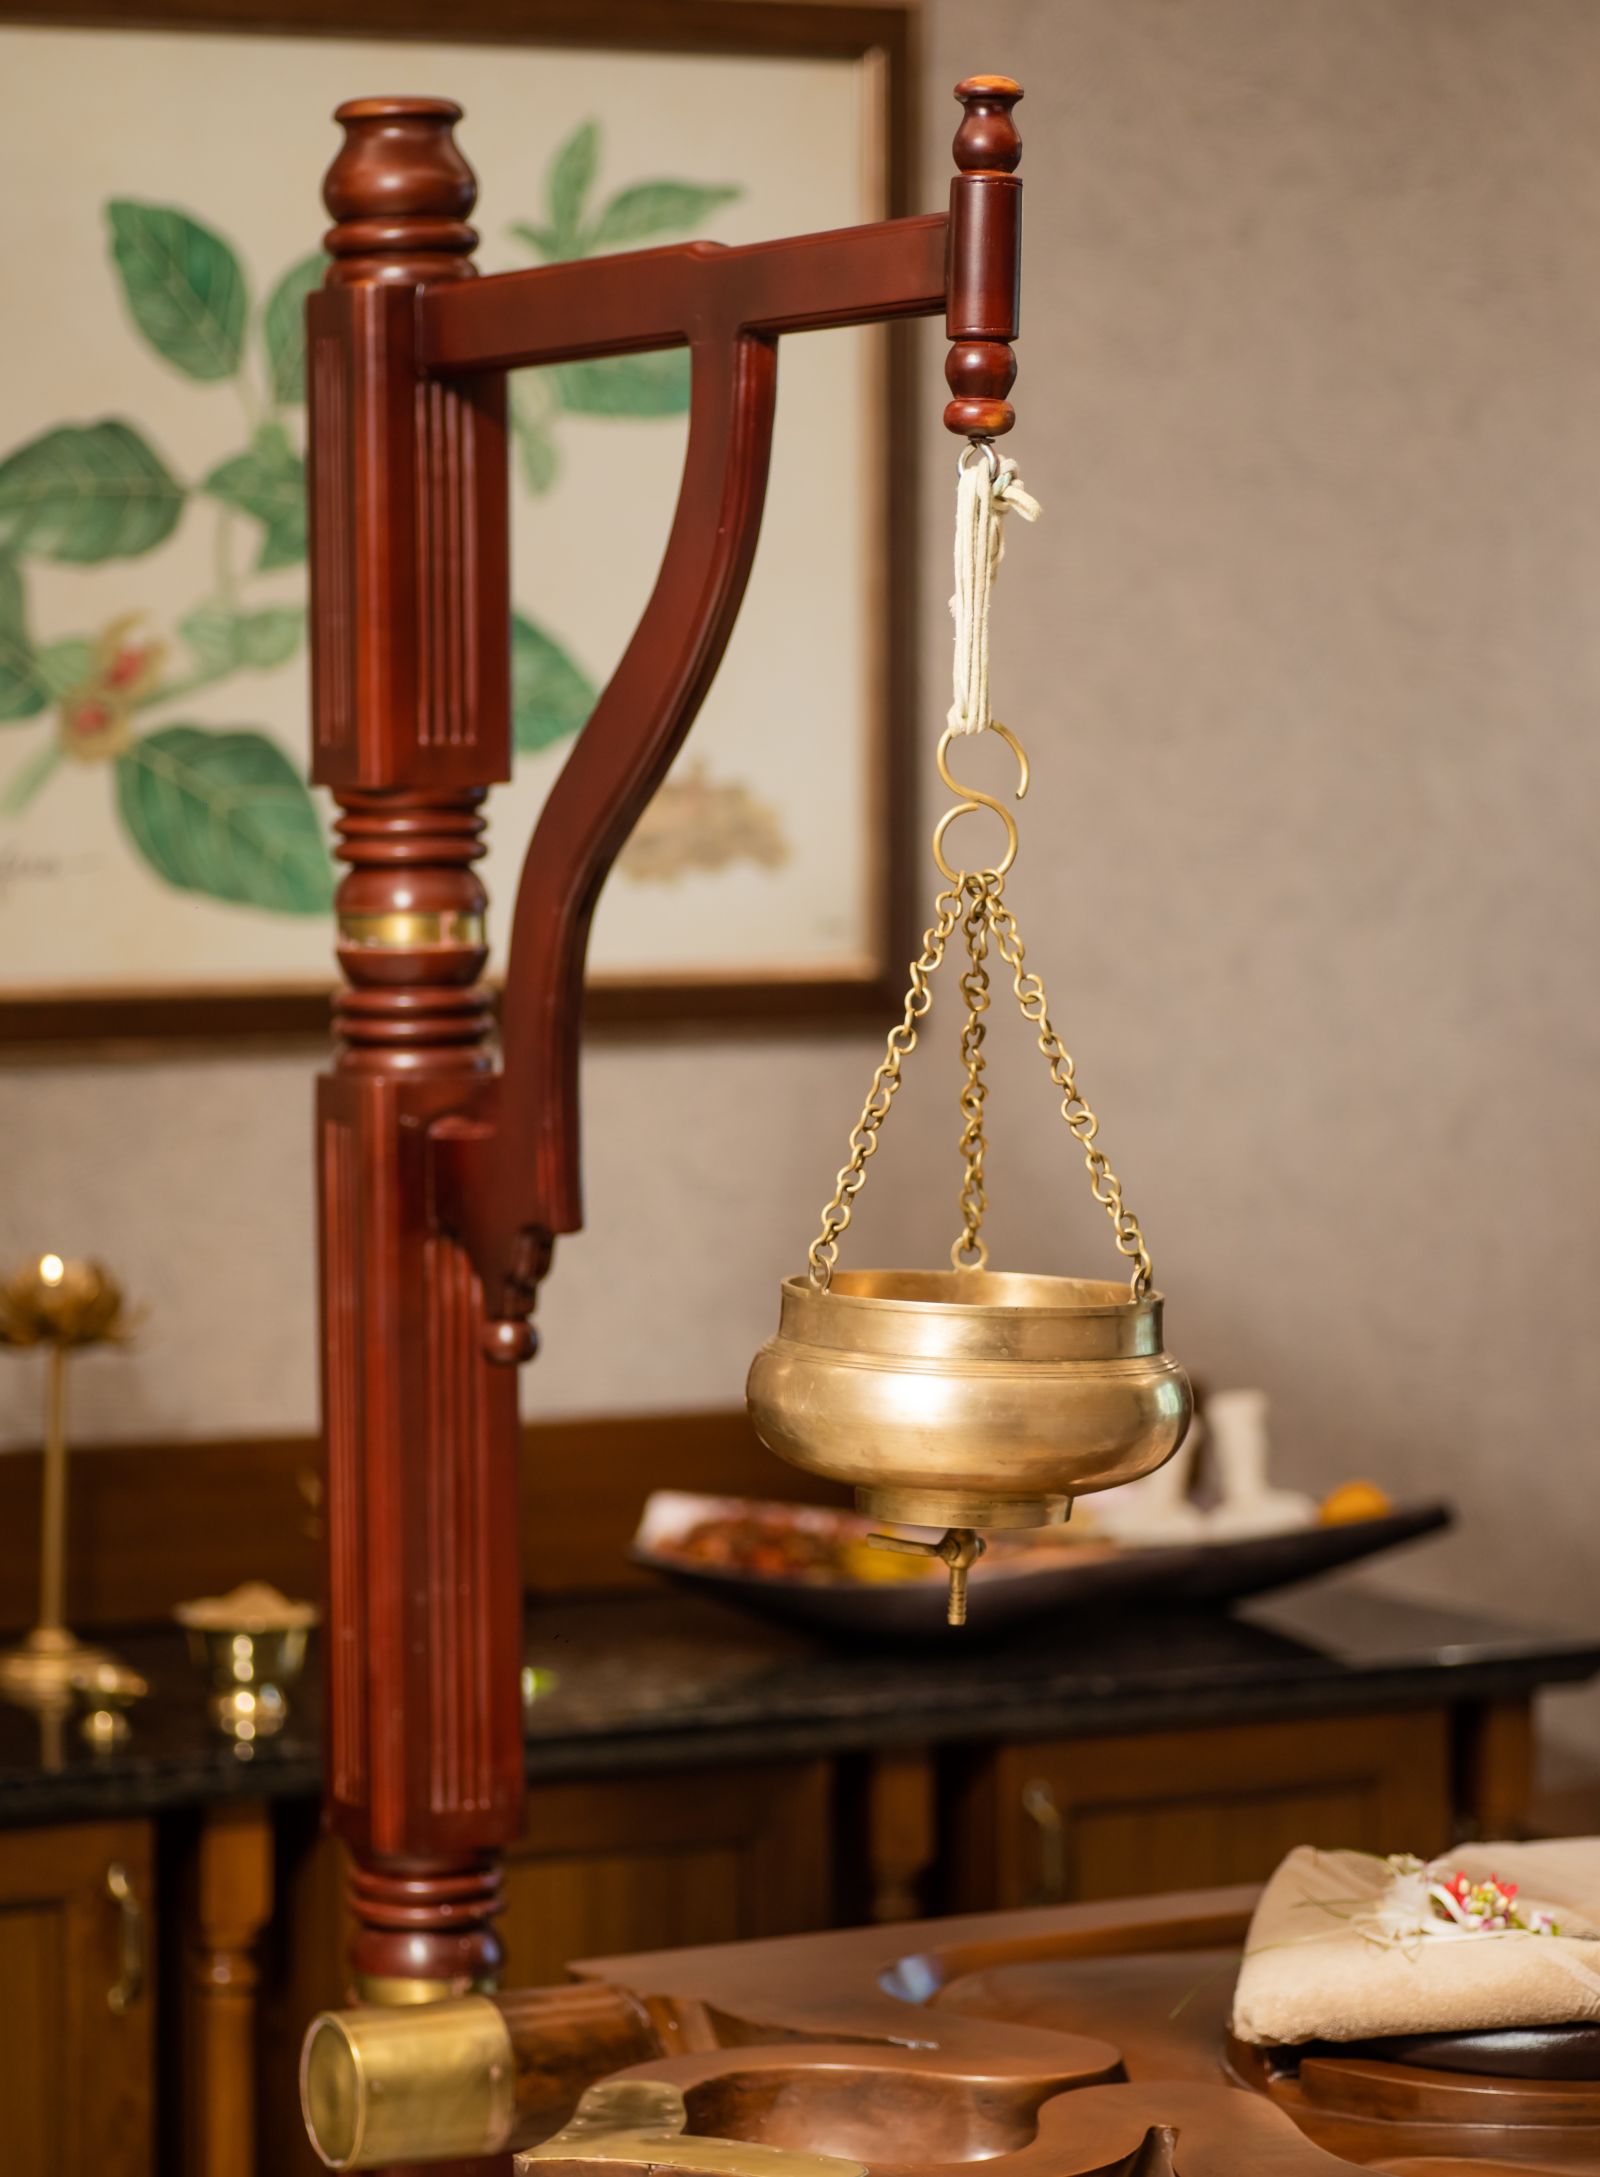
x: 444, y: 1178
x: 444, y: 1182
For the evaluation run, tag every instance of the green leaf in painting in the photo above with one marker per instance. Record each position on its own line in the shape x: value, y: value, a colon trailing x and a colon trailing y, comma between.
x: 626, y: 385
x: 29, y: 777
x: 568, y: 182
x: 656, y: 207
x: 550, y: 695
x: 223, y: 811
x: 22, y: 695
x: 267, y: 482
x: 542, y: 240
x: 534, y: 403
x: 283, y: 328
x: 223, y: 640
x: 538, y: 457
x: 183, y: 285
x: 65, y: 665
x: 87, y: 492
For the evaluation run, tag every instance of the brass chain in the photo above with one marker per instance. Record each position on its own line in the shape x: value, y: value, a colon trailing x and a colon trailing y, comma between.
x: 974, y: 898
x: 864, y: 1137
x: 980, y: 894
x: 969, y: 1251
x: 1103, y: 1181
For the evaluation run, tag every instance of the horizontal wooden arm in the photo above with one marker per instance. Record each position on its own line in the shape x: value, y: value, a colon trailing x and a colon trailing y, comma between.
x: 663, y: 298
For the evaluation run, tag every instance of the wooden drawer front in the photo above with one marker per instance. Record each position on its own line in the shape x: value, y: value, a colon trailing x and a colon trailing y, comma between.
x: 1123, y: 1816
x: 75, y: 2073
x: 652, y: 1863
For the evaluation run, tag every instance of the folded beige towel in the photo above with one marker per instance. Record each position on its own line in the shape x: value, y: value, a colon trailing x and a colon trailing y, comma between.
x: 1345, y: 1947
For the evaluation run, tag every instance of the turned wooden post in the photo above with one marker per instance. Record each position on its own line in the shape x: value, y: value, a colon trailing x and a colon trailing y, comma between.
x: 410, y: 670
x: 985, y: 258
x: 228, y: 1902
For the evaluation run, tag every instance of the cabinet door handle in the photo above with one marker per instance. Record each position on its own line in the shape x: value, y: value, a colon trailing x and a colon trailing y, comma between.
x: 128, y: 1986
x: 1039, y: 1805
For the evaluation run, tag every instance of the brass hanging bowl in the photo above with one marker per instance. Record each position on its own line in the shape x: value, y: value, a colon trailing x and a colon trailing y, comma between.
x: 968, y: 1398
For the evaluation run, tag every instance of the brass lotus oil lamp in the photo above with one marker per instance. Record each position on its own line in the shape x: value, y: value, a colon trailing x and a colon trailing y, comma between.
x: 971, y: 1398
x: 62, y: 1306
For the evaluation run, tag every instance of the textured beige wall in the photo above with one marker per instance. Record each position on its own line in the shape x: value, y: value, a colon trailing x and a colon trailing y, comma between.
x: 1308, y: 656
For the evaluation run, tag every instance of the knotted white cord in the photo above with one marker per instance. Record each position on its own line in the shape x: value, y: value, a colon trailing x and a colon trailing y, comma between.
x: 987, y: 490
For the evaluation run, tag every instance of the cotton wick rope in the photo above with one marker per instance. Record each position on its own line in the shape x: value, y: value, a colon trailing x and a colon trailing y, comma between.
x: 987, y: 490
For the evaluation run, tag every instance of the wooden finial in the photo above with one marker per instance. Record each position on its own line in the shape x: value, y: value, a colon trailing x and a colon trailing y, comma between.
x: 399, y: 192
x: 985, y: 258
x: 987, y: 140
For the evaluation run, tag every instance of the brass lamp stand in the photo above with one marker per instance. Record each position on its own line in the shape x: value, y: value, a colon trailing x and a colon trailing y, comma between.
x: 60, y: 1305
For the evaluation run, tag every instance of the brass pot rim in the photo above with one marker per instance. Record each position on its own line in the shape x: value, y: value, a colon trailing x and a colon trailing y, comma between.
x: 844, y: 1290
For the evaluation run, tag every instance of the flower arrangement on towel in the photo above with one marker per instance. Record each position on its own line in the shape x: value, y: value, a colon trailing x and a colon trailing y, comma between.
x: 1425, y: 1902
x: 1347, y: 1945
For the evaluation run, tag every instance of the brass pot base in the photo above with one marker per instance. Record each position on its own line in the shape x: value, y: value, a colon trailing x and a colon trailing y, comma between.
x: 961, y: 1508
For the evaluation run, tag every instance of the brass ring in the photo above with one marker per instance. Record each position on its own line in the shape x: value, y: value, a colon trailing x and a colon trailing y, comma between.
x: 973, y: 799
x: 413, y: 927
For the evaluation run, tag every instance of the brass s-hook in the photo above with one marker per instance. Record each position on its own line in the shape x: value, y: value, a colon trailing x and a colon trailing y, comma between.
x: 973, y: 799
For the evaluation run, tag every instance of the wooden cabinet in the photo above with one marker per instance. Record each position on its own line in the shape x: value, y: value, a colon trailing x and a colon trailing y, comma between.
x: 1124, y: 1815
x: 76, y: 2095
x: 655, y: 1862
x: 256, y: 1925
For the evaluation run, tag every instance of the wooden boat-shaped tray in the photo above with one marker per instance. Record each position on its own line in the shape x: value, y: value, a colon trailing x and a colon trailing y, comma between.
x: 1076, y: 2041
x: 1012, y: 1591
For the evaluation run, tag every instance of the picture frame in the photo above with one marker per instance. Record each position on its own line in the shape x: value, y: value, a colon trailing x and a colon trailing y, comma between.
x: 825, y: 802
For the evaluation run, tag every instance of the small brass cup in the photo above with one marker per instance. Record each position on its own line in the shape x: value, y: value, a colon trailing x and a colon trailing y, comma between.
x: 249, y: 1646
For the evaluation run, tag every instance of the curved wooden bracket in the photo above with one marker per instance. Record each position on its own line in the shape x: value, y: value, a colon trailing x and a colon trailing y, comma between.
x: 510, y: 1182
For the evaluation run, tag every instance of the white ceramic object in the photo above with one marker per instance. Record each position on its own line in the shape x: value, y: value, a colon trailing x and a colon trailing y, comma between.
x: 1247, y: 1503
x: 1156, y: 1508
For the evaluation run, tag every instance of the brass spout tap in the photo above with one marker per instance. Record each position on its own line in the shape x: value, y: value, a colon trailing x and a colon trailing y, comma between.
x: 958, y: 1547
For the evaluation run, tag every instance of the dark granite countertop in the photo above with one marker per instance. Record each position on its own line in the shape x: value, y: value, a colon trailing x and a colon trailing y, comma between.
x: 659, y: 1680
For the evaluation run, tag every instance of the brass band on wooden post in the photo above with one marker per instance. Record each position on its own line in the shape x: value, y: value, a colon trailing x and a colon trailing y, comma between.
x: 411, y: 927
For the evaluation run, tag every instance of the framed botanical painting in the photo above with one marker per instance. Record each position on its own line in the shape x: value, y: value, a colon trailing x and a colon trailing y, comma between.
x: 164, y: 866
